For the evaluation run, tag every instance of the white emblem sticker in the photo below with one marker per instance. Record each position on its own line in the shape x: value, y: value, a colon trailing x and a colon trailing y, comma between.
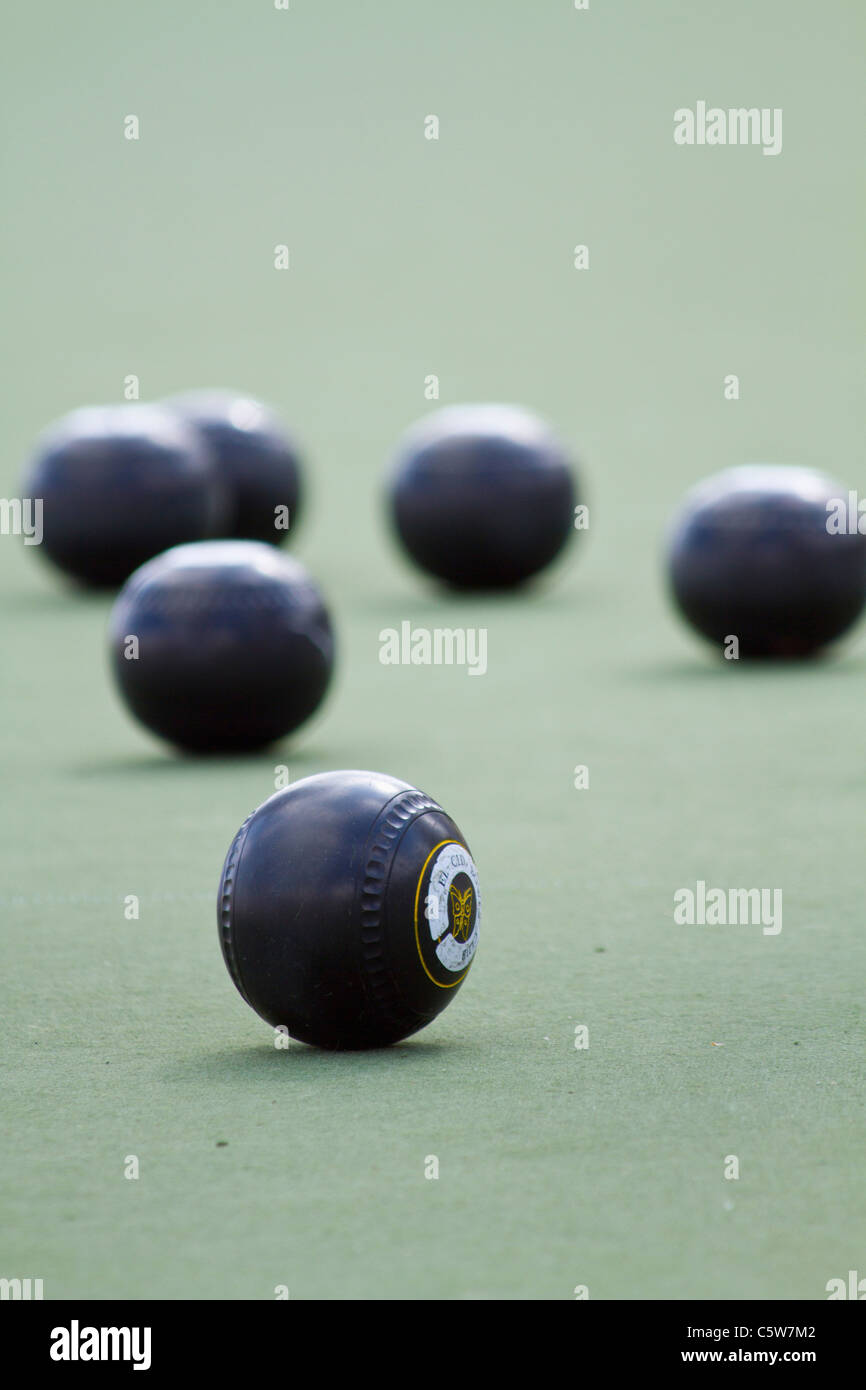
x: 453, y: 907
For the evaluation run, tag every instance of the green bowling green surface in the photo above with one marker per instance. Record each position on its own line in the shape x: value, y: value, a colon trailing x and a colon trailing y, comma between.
x: 601, y: 1166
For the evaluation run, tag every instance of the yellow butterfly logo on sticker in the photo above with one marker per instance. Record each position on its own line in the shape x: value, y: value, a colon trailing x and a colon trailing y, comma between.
x: 461, y: 912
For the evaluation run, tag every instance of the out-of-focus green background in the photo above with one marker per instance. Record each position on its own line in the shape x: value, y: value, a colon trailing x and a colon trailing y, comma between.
x: 412, y: 257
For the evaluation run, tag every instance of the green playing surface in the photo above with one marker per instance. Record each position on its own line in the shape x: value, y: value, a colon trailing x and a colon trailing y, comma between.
x: 412, y: 258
